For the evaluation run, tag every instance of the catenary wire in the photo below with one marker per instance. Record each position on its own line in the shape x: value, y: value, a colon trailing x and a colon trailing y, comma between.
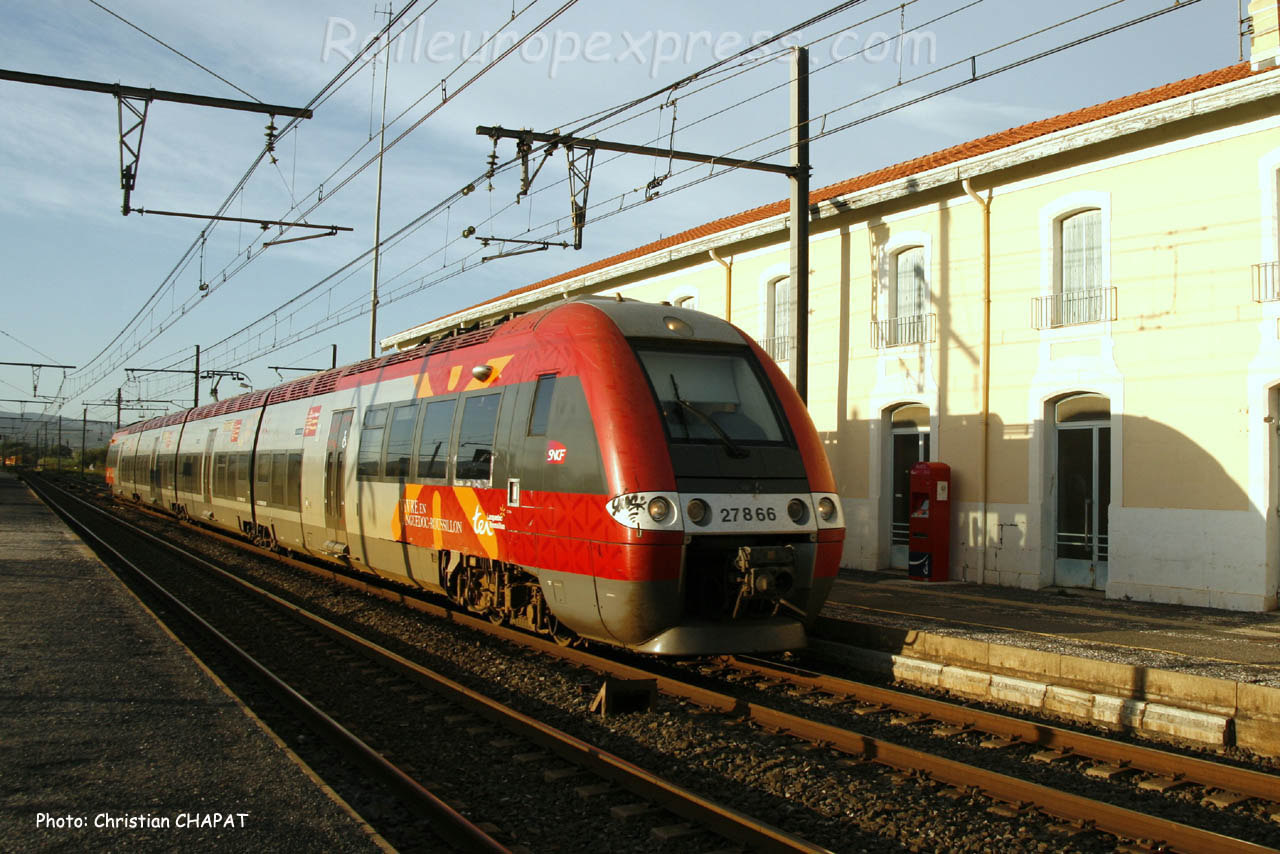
x: 175, y: 50
x: 461, y: 265
x: 239, y: 186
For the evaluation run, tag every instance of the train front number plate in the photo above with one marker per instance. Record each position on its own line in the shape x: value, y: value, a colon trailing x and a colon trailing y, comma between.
x: 748, y: 514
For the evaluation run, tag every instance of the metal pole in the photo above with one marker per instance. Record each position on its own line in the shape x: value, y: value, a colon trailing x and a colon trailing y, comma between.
x: 334, y: 357
x: 799, y: 349
x: 57, y: 451
x: 84, y: 432
x: 626, y: 148
x: 118, y: 401
x: 196, y: 404
x: 377, y: 215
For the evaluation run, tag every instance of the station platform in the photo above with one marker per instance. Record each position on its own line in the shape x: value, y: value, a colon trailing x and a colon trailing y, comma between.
x: 112, y: 737
x: 1115, y: 662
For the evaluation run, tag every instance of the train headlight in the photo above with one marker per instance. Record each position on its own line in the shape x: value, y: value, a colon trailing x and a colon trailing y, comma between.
x: 697, y: 511
x: 659, y: 509
x: 798, y: 511
x: 826, y: 509
x: 678, y: 326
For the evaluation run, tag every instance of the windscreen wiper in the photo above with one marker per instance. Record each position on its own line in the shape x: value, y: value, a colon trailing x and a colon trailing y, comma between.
x: 734, y: 449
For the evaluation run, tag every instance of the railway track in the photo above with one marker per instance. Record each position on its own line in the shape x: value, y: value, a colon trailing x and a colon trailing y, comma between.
x: 389, y: 681
x: 1219, y: 784
x: 822, y: 711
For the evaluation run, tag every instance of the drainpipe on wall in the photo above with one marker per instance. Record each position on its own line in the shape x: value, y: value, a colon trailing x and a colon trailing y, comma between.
x: 986, y: 357
x: 728, y: 282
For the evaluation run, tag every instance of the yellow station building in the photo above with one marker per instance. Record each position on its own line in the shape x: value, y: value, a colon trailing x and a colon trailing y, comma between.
x: 1114, y: 424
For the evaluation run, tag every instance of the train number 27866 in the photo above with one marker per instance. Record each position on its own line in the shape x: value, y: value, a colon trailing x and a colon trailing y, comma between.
x: 748, y: 514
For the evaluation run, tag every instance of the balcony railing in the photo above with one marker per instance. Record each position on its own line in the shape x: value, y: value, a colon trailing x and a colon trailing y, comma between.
x: 1266, y: 282
x: 1070, y: 308
x: 778, y: 347
x: 900, y: 331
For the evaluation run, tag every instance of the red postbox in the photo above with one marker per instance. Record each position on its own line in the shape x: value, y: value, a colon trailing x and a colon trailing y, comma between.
x: 929, y: 551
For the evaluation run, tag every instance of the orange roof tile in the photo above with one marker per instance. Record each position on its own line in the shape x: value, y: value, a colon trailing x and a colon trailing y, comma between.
x: 954, y: 154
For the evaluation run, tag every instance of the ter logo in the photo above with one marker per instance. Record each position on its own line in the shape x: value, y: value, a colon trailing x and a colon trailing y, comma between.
x: 556, y: 453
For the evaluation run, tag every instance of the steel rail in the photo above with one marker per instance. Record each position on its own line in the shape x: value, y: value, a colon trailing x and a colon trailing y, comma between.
x: 723, y: 820
x: 1244, y: 781
x: 1121, y: 822
x: 451, y: 825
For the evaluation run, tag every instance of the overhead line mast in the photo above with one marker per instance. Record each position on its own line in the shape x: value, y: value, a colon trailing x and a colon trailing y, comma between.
x: 122, y: 91
x: 798, y: 171
x: 132, y: 103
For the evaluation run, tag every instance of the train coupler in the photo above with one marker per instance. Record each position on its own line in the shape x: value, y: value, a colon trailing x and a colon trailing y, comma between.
x: 765, y: 575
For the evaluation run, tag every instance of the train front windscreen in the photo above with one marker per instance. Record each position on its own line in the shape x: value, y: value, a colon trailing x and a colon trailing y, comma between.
x: 711, y: 397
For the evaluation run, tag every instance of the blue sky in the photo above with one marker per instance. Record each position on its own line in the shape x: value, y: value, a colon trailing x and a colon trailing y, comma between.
x: 76, y: 272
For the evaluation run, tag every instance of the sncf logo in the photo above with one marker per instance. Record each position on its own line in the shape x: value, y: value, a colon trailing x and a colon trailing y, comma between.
x: 556, y: 453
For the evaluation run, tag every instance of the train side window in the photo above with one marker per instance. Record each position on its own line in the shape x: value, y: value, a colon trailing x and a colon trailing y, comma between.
x: 540, y: 414
x: 263, y: 478
x: 433, y: 445
x: 369, y: 462
x: 475, y: 437
x: 279, y: 476
x: 221, y: 487
x: 404, y: 418
x: 294, y: 485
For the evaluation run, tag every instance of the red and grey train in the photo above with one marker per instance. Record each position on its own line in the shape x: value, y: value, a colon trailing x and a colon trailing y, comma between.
x: 632, y: 474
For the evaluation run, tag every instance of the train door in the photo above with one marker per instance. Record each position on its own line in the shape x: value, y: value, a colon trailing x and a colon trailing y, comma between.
x: 156, y: 481
x: 335, y: 459
x: 206, y: 467
x: 1083, y: 491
